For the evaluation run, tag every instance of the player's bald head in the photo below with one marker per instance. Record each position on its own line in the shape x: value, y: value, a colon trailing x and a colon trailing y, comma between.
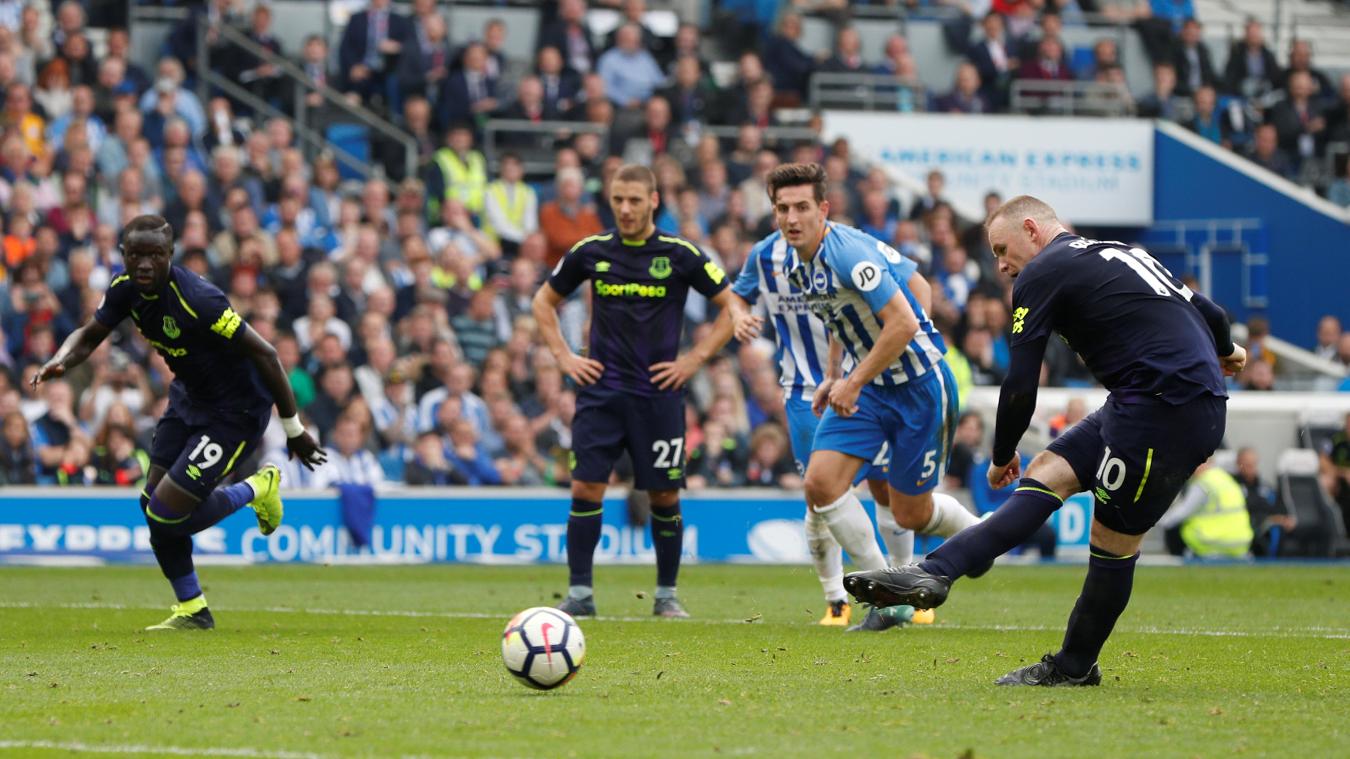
x: 149, y: 230
x: 1023, y: 207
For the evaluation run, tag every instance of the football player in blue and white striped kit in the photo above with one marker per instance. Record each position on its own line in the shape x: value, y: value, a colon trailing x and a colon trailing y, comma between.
x: 802, y: 348
x: 885, y: 383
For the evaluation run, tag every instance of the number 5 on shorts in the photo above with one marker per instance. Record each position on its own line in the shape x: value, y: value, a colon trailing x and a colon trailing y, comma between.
x: 929, y: 465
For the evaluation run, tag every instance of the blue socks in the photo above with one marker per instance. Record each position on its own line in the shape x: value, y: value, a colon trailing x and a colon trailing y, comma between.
x: 583, y: 535
x: 1005, y: 529
x: 222, y: 502
x: 1106, y: 591
x: 668, y: 542
x: 186, y: 588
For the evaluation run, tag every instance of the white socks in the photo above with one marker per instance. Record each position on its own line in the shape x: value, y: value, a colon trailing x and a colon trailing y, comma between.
x: 899, y: 541
x: 949, y: 517
x: 825, y: 556
x: 848, y: 523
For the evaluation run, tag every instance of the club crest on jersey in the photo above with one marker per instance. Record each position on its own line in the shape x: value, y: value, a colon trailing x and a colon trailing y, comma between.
x: 171, y: 328
x: 820, y: 281
x: 660, y: 267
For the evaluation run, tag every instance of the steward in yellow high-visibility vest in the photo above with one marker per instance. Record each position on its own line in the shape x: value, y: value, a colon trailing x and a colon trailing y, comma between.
x: 1220, y: 526
x: 461, y: 175
x: 510, y: 208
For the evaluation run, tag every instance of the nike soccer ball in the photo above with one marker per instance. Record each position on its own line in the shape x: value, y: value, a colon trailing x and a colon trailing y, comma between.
x: 543, y: 647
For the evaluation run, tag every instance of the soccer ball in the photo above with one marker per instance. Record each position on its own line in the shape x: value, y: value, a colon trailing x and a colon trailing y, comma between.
x: 543, y: 647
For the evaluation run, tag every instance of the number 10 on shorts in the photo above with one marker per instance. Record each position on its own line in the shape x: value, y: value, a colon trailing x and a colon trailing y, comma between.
x: 1111, y: 472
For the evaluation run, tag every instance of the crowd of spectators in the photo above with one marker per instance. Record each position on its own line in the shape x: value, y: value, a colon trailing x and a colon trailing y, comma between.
x: 400, y: 306
x: 1282, y: 115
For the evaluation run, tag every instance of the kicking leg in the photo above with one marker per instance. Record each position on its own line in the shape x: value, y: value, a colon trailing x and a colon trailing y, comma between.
x: 1049, y: 480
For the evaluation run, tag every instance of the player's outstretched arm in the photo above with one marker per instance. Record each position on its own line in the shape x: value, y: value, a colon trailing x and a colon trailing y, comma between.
x: 264, y: 358
x: 73, y: 351
x: 735, y: 316
x: 1016, y: 404
x: 582, y: 370
x: 899, y: 325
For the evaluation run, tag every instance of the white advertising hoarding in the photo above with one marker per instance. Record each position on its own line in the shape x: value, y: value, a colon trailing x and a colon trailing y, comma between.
x: 1093, y: 171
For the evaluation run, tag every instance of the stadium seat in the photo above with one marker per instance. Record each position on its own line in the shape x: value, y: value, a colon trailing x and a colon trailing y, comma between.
x: 1082, y: 61
x: 1320, y: 531
x: 353, y: 138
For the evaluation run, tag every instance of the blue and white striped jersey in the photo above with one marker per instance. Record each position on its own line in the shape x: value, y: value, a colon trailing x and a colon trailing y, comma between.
x: 849, y: 280
x: 802, y: 347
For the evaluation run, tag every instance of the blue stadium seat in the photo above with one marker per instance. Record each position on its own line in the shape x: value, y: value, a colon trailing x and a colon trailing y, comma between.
x: 1082, y: 61
x: 353, y: 138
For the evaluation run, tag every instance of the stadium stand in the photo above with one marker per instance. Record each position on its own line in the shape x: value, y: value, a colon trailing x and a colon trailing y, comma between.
x: 379, y: 188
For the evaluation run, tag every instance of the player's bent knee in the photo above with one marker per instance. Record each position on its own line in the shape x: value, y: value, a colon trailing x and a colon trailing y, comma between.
x: 1053, y: 471
x: 664, y: 499
x: 152, y: 482
x: 175, y: 496
x: 821, y: 491
x: 588, y: 491
x: 1118, y: 543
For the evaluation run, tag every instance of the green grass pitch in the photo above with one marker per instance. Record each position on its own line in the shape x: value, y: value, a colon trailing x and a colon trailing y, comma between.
x: 388, y: 661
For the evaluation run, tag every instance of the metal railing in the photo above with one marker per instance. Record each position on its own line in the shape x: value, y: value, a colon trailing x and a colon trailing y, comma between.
x: 331, y: 97
x: 1071, y: 98
x: 538, y: 156
x: 867, y: 92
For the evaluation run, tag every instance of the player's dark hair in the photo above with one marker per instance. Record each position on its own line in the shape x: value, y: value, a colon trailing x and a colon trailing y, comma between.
x: 150, y: 224
x: 632, y: 172
x: 1023, y: 207
x: 796, y: 175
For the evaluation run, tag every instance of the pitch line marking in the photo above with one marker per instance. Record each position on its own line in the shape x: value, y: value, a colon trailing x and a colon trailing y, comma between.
x: 1318, y: 632
x: 98, y: 748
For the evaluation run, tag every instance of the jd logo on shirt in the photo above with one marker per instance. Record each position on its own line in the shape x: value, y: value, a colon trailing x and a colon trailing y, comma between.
x: 171, y: 328
x: 660, y: 267
x: 866, y: 276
